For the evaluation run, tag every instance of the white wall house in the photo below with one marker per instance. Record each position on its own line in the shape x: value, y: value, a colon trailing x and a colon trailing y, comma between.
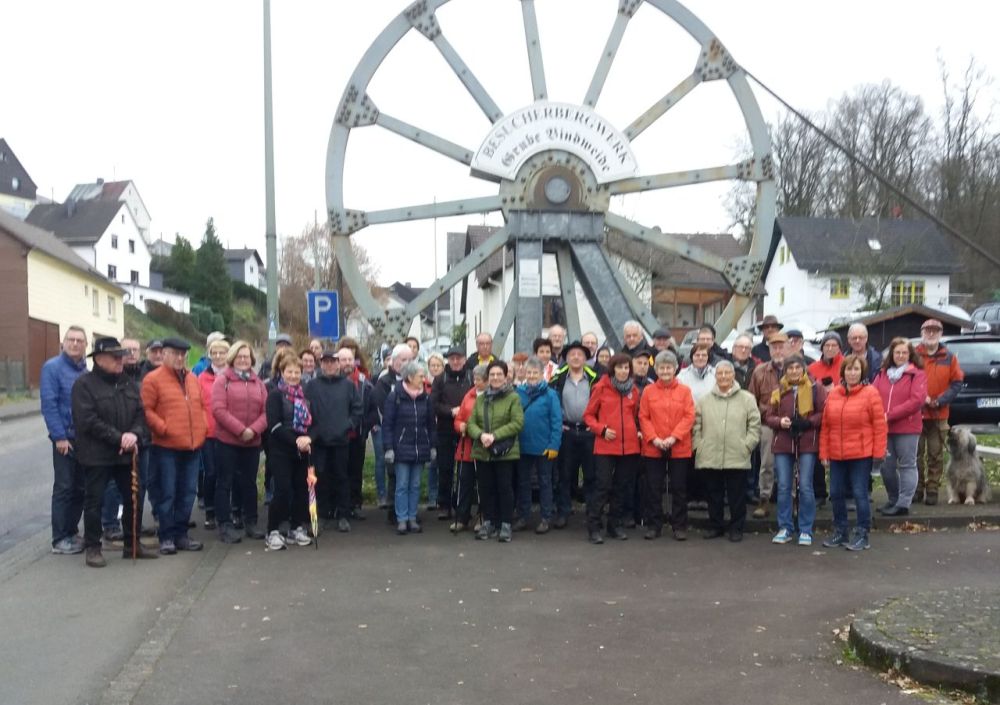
x: 820, y: 264
x: 120, y: 191
x: 246, y: 266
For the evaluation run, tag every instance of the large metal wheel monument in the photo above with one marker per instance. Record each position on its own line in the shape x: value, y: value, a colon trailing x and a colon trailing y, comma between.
x: 557, y: 166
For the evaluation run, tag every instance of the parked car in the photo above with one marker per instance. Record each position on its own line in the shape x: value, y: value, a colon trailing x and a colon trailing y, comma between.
x: 986, y: 319
x: 979, y: 358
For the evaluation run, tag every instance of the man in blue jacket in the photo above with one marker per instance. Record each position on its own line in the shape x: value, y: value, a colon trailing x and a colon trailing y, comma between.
x: 56, y: 386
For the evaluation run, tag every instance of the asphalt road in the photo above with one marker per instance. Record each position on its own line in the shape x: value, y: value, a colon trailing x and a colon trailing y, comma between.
x: 25, y: 479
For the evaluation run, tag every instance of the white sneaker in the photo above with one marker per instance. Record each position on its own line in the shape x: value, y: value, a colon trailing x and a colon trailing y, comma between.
x: 275, y: 541
x: 805, y: 540
x: 300, y: 537
x: 783, y: 536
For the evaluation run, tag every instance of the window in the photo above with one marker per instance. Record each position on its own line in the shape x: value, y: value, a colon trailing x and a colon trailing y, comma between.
x: 15, y: 184
x: 114, y: 242
x: 782, y: 255
x: 781, y: 296
x: 134, y: 278
x: 907, y: 292
x: 95, y: 299
x: 112, y: 272
x: 840, y: 288
x: 112, y: 308
x: 131, y: 247
x: 123, y: 219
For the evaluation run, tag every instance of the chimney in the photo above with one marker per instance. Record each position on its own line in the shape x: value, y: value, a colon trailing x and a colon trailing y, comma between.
x: 100, y: 181
x: 70, y: 207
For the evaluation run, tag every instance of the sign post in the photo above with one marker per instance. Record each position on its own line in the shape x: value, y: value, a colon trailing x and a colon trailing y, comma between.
x: 324, y: 314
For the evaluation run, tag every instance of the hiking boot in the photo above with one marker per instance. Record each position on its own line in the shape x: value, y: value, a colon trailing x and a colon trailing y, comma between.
x: 713, y: 534
x: 520, y: 525
x: 252, y: 532
x: 457, y: 526
x: 736, y: 535
x: 344, y: 526
x: 229, y: 534
x: 300, y: 536
x: 859, y: 542
x: 238, y: 520
x: 505, y: 534
x: 543, y: 527
x: 113, y: 534
x: 595, y: 537
x: 896, y: 512
x: 276, y: 542
x: 414, y: 527
x: 167, y: 547
x: 931, y: 498
x: 94, y: 557
x: 186, y: 543
x: 680, y: 535
x: 839, y: 538
x: 616, y: 532
x: 210, y: 522
x: 783, y: 536
x: 651, y: 534
x: 141, y: 553
x: 484, y: 531
x: 559, y: 523
x: 762, y: 510
x: 67, y: 547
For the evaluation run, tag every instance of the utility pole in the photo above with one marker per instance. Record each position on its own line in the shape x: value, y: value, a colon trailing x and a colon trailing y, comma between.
x: 270, y: 229
x: 316, y: 236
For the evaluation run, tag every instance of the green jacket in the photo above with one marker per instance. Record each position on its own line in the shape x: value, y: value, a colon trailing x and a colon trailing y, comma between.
x: 726, y: 429
x: 506, y: 421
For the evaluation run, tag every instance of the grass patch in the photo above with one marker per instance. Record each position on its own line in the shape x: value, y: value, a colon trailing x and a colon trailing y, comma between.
x: 143, y: 328
x: 992, y: 467
x: 14, y: 397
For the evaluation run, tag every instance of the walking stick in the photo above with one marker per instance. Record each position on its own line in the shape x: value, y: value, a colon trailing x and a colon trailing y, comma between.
x: 135, y: 502
x: 457, y: 495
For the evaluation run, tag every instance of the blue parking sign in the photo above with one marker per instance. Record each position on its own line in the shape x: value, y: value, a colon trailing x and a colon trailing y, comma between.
x: 324, y: 314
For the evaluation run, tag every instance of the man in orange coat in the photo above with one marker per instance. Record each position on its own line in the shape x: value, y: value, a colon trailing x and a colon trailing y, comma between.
x: 944, y: 381
x: 171, y: 397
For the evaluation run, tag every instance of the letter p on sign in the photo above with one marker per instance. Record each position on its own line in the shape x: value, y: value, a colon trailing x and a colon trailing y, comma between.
x: 324, y: 314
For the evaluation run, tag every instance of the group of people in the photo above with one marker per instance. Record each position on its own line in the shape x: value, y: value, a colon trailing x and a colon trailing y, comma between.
x: 720, y: 428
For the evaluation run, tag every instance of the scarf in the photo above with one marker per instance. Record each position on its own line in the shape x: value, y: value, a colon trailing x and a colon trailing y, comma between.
x: 301, y: 418
x: 702, y: 373
x: 803, y: 394
x: 492, y: 393
x: 243, y: 374
x: 410, y: 391
x: 624, y: 388
x: 896, y: 373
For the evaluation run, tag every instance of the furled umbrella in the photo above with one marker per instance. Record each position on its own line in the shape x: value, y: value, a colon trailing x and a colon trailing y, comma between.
x: 313, y: 510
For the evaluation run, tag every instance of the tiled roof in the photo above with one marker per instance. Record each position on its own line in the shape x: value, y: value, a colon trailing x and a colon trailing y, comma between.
x: 77, y: 223
x: 11, y: 169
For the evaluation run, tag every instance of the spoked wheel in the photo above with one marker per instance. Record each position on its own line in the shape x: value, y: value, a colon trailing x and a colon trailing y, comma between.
x: 557, y: 165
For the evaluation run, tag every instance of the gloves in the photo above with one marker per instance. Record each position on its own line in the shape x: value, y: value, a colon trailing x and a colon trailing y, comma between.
x: 390, y: 456
x: 434, y: 454
x: 550, y: 454
x: 800, y: 425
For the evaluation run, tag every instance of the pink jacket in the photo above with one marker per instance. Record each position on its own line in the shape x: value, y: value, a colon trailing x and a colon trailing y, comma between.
x: 903, y: 400
x: 238, y: 404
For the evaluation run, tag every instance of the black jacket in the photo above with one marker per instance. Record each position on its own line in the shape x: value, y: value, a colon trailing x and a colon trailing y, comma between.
x: 743, y: 377
x: 335, y: 405
x: 408, y: 426
x: 106, y: 406
x: 447, y: 392
x: 280, y: 432
x: 383, y: 387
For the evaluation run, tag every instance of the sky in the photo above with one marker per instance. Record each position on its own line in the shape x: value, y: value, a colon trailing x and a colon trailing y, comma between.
x: 170, y: 95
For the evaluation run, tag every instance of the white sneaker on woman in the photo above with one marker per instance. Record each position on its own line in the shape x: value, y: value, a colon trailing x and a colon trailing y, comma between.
x: 300, y: 537
x: 275, y: 541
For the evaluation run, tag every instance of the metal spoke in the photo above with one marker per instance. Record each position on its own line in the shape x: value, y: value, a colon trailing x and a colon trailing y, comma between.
x: 607, y: 58
x: 468, y: 78
x: 751, y: 170
x: 425, y: 138
x: 660, y: 107
x: 534, y: 43
x: 485, y: 204
x: 567, y: 284
x: 506, y: 321
x: 356, y: 283
x: 657, y: 239
x: 456, y: 274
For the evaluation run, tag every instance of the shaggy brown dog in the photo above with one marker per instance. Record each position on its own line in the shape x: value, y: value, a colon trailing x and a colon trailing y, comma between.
x: 966, y: 479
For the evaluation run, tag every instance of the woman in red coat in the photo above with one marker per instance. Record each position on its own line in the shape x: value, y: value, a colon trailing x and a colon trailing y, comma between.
x: 902, y: 384
x: 217, y: 351
x: 852, y: 437
x: 612, y: 416
x: 466, y: 490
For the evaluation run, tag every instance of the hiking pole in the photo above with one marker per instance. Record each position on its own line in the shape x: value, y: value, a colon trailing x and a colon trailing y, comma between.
x: 135, y: 501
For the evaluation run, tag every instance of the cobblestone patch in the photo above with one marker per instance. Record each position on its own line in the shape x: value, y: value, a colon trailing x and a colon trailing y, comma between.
x: 949, y: 638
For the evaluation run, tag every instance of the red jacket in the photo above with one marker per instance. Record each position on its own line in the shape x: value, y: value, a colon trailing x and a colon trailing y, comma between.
x: 609, y: 409
x: 819, y: 370
x: 903, y: 400
x: 238, y: 404
x: 809, y: 438
x: 944, y: 380
x: 174, y: 410
x: 666, y: 410
x: 463, y: 453
x: 205, y: 380
x: 854, y: 424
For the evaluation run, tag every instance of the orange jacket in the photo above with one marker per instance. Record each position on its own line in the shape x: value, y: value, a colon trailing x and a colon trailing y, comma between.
x: 666, y: 410
x: 820, y: 370
x: 608, y: 408
x: 463, y: 452
x: 174, y: 409
x: 853, y: 425
x: 944, y: 380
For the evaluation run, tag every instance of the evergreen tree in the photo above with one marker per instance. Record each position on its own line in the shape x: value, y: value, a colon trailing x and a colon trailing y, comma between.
x: 180, y: 273
x: 212, y: 286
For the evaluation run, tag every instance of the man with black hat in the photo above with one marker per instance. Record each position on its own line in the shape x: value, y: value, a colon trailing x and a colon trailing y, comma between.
x: 110, y: 428
x: 154, y: 358
x: 663, y: 340
x: 768, y: 327
x: 447, y: 393
x: 175, y: 415
x: 572, y: 383
x: 796, y: 341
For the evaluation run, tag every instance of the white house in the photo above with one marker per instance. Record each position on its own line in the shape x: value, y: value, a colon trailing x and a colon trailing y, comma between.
x: 822, y: 267
x: 17, y: 190
x: 247, y: 266
x: 120, y: 191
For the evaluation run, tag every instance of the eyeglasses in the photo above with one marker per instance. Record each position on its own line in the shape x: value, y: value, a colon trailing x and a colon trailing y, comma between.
x: 76, y: 341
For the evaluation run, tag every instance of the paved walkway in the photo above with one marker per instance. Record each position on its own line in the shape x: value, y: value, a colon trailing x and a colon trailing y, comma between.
x: 10, y: 410
x: 947, y: 638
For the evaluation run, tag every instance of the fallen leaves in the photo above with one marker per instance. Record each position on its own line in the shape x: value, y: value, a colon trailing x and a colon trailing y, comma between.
x: 908, y: 527
x: 983, y: 526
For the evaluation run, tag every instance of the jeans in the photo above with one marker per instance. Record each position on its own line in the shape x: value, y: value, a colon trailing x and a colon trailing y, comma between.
x: 930, y: 455
x: 379, y: 451
x: 407, y: 490
x: 111, y: 502
x: 526, y: 466
x: 178, y: 474
x: 236, y: 466
x: 854, y: 474
x: 899, y: 471
x: 67, y: 495
x: 577, y: 450
x: 432, y: 482
x: 784, y: 468
x: 98, y: 479
x: 209, y: 464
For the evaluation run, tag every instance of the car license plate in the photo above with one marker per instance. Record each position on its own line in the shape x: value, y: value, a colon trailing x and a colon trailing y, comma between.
x: 988, y: 402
